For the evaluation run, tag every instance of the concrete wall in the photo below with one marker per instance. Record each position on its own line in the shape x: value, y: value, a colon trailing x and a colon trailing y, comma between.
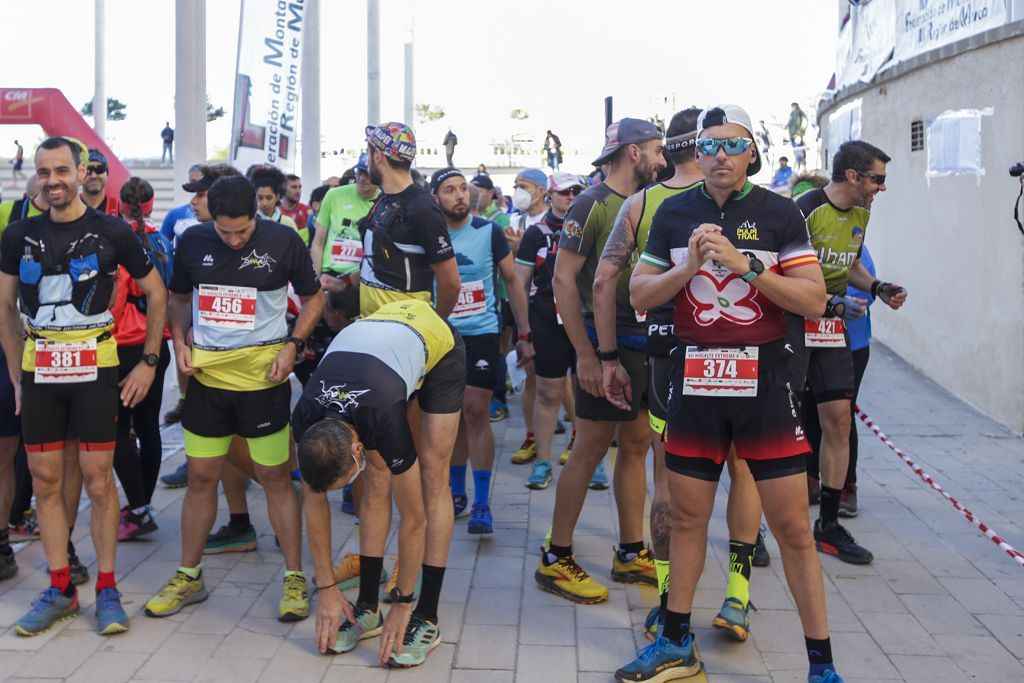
x: 952, y: 240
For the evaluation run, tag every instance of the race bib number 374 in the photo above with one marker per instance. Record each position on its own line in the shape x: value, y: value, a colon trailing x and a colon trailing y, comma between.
x: 232, y: 308
x: 720, y: 372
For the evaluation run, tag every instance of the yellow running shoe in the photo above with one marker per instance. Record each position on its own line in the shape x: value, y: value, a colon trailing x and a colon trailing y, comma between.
x: 569, y: 580
x: 565, y: 455
x: 294, y: 605
x: 640, y: 569
x: 526, y: 452
x: 346, y: 573
x: 179, y: 591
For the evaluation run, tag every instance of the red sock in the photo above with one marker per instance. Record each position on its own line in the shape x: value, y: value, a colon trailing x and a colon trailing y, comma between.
x: 105, y: 580
x: 60, y: 578
x: 529, y: 436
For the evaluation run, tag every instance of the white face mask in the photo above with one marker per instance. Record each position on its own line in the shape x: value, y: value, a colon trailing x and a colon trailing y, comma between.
x: 521, y: 199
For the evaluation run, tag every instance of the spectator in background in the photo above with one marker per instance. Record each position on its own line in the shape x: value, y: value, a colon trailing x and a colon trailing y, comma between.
x: 797, y: 124
x: 181, y: 218
x: 450, y: 140
x: 316, y: 198
x: 780, y: 181
x: 94, y: 189
x: 481, y: 169
x: 764, y: 138
x: 553, y: 150
x: 167, y: 135
x: 290, y: 204
x: 17, y: 161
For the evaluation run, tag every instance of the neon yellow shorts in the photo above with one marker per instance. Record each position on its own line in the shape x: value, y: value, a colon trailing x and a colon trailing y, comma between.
x: 269, y: 451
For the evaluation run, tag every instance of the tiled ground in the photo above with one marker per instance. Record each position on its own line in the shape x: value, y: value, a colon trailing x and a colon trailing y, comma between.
x: 941, y: 602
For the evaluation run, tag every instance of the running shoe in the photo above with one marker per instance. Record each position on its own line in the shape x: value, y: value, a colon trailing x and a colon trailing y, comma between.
x: 653, y: 624
x: 761, y: 557
x: 661, y: 661
x: 348, y: 503
x: 179, y: 591
x: 480, y: 521
x: 110, y: 616
x: 564, y: 457
x: 834, y: 539
x: 346, y: 574
x: 133, y: 525
x: 176, y: 479
x: 230, y: 539
x: 391, y: 590
x: 367, y: 625
x: 499, y: 410
x: 734, y: 619
x: 569, y: 580
x: 294, y: 604
x: 460, y: 503
x: 24, y: 531
x: 526, y: 452
x: 8, y: 567
x: 559, y: 427
x: 421, y: 636
x: 173, y: 416
x: 637, y: 569
x: 827, y: 677
x: 599, y: 482
x: 79, y: 572
x: 813, y: 490
x: 50, y: 607
x: 848, y: 501
x: 540, y: 477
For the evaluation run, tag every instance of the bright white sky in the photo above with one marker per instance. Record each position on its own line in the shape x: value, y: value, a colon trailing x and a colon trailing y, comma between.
x: 477, y: 59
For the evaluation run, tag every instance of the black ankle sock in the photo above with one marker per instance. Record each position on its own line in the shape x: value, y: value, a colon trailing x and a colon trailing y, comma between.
x: 430, y: 594
x: 677, y: 625
x: 555, y: 553
x: 5, y: 540
x: 830, y: 504
x: 662, y: 605
x: 240, y: 521
x: 369, y: 581
x: 625, y: 549
x: 819, y: 651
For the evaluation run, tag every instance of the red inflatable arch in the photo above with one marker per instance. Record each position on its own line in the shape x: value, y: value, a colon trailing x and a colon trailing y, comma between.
x: 47, y: 107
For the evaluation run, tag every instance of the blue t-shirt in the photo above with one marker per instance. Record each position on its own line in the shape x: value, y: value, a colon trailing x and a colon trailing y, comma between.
x: 860, y: 329
x: 781, y: 179
x: 479, y: 247
x: 177, y: 221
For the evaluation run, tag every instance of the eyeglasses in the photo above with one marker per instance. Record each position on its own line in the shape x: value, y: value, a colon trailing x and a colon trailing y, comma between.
x: 96, y: 169
x: 875, y: 177
x: 571, y: 191
x: 732, y: 146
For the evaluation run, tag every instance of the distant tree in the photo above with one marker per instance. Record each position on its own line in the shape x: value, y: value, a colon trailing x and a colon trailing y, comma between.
x: 428, y: 112
x: 211, y: 113
x: 519, y: 114
x: 115, y: 109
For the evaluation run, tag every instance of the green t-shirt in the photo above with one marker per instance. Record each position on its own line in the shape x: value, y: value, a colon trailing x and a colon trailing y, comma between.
x: 496, y: 216
x: 6, y: 208
x: 836, y: 235
x: 340, y: 213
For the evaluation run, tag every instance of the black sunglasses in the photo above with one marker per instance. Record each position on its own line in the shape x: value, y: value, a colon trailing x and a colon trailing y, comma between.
x: 96, y: 169
x: 875, y: 178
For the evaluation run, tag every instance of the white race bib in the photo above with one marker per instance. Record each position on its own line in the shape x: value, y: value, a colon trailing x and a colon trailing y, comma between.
x: 472, y: 300
x: 346, y: 252
x: 65, y: 362
x: 232, y: 308
x: 720, y: 372
x: 828, y: 333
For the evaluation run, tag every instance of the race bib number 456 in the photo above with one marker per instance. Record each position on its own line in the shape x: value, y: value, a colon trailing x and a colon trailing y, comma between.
x: 232, y: 308
x: 720, y: 372
x: 65, y: 362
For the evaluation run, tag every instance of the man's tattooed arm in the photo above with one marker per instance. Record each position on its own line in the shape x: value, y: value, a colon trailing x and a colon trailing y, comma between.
x: 621, y: 243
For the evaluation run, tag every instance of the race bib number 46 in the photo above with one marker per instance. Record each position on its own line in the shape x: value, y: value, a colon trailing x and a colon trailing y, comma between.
x: 65, y: 362
x: 829, y: 333
x: 346, y: 253
x: 232, y: 308
x: 720, y: 372
x: 472, y: 300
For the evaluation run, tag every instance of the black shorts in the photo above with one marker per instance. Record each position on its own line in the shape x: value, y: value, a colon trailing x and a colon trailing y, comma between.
x: 661, y: 338
x: 554, y: 355
x: 658, y: 371
x: 443, y: 387
x: 765, y: 429
x: 213, y: 412
x: 826, y: 372
x: 48, y: 410
x: 590, y: 407
x: 10, y: 424
x: 482, y: 352
x: 507, y: 319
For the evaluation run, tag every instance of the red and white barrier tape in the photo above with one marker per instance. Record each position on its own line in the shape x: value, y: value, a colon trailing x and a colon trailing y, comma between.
x: 926, y: 478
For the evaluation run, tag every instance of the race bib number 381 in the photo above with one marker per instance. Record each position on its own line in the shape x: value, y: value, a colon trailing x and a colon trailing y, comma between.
x: 65, y: 362
x: 720, y: 372
x: 232, y: 308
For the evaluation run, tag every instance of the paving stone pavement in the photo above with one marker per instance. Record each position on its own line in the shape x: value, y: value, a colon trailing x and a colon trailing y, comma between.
x: 940, y: 602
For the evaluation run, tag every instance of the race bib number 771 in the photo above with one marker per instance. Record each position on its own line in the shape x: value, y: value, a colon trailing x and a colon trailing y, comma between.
x: 720, y: 372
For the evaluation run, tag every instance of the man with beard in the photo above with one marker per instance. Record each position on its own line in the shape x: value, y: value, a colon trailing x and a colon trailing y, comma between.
x: 290, y: 204
x: 482, y: 254
x: 633, y: 153
x: 63, y: 267
x: 94, y: 190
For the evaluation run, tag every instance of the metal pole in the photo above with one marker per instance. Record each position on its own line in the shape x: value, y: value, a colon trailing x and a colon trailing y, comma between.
x: 99, y: 97
x: 607, y: 112
x: 373, y: 61
x: 407, y: 112
x: 310, y: 121
x: 189, y: 90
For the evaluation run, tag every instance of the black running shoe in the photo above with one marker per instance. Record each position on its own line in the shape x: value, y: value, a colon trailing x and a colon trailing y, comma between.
x: 173, y: 416
x: 761, y: 557
x: 79, y: 572
x: 834, y: 539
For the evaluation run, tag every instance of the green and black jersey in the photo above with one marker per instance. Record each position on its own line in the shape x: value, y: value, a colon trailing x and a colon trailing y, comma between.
x: 837, y: 236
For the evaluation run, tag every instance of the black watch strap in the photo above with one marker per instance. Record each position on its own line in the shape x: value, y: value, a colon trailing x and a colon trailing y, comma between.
x: 608, y: 355
x: 151, y: 359
x: 300, y: 344
x: 397, y: 597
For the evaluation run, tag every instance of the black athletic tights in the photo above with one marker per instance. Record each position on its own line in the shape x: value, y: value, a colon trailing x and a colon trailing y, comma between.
x: 812, y: 426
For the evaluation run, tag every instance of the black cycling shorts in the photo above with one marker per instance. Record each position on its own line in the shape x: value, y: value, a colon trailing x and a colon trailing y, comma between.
x: 826, y: 372
x: 590, y: 407
x: 482, y: 353
x: 10, y: 424
x: 763, y: 428
x: 213, y: 412
x: 443, y: 388
x: 658, y: 373
x: 48, y: 410
x: 554, y: 355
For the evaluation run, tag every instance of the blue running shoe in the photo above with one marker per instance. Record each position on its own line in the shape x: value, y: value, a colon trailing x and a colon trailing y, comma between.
x: 50, y: 607
x: 499, y: 410
x: 348, y: 504
x: 653, y: 624
x: 662, y: 660
x: 177, y: 478
x: 599, y: 482
x: 734, y: 619
x: 461, y: 503
x: 827, y: 677
x: 540, y: 477
x: 480, y: 521
x: 111, y: 616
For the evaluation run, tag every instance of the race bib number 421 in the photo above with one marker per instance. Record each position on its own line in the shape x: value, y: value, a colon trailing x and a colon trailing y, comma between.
x: 828, y: 333
x: 65, y: 362
x: 720, y: 372
x: 232, y: 308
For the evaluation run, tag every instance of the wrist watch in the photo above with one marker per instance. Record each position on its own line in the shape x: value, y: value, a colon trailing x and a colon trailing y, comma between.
x: 608, y: 355
x: 397, y: 597
x: 150, y: 359
x: 300, y: 344
x: 756, y: 268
